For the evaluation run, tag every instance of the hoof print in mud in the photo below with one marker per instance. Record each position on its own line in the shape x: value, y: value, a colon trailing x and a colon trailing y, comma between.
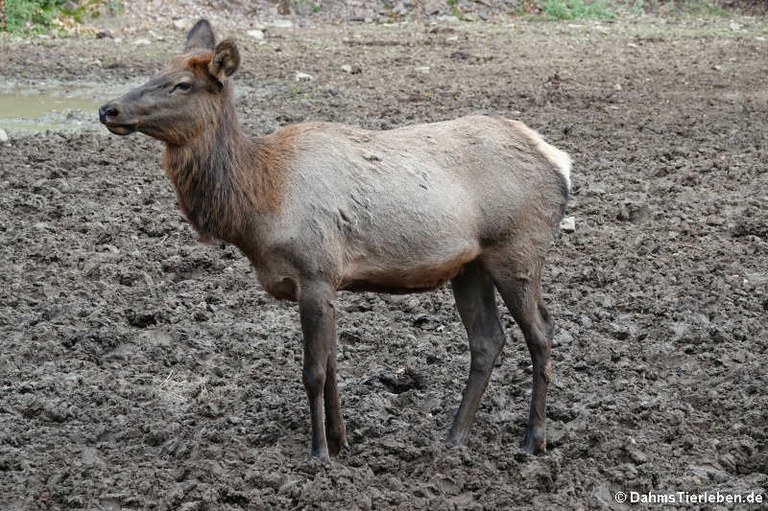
x: 141, y: 319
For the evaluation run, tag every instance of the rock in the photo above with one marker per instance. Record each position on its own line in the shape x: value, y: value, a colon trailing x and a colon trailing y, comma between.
x: 256, y: 34
x: 104, y: 34
x: 142, y: 42
x: 4, y: 137
x: 353, y: 70
x: 568, y: 224
x: 182, y: 24
x: 637, y: 456
x: 433, y: 7
x: 423, y: 70
x: 281, y: 23
x: 304, y: 77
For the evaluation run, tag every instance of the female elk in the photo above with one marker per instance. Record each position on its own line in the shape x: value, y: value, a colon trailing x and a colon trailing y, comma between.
x: 321, y: 207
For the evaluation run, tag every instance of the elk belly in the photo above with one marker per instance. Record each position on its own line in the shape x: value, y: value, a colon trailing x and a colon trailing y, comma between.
x: 368, y: 273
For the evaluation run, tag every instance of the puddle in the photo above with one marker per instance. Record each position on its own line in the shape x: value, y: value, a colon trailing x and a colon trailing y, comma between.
x: 31, y: 108
x: 59, y: 106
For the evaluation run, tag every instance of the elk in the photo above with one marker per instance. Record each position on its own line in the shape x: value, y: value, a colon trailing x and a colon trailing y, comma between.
x: 321, y: 207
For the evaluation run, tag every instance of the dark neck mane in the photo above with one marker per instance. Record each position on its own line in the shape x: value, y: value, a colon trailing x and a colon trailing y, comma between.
x: 221, y: 177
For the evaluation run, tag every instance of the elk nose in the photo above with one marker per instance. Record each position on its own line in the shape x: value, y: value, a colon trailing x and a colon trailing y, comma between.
x: 107, y: 112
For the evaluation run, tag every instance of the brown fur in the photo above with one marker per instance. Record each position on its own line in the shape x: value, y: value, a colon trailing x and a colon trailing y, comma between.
x: 221, y: 175
x: 254, y: 181
x: 199, y: 59
x: 271, y: 165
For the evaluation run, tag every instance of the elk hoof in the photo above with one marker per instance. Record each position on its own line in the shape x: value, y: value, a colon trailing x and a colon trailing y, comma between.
x: 339, y: 447
x: 321, y: 454
x: 535, y: 441
x: 457, y: 438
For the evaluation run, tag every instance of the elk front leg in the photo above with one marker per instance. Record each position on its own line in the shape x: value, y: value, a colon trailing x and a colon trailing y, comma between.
x: 334, y: 421
x: 318, y: 327
x: 476, y: 302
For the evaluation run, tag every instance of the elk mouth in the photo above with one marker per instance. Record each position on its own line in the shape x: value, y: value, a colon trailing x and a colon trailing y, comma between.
x: 121, y: 129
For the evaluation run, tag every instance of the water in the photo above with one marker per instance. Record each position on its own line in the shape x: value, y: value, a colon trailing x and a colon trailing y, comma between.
x: 52, y: 106
x: 59, y: 106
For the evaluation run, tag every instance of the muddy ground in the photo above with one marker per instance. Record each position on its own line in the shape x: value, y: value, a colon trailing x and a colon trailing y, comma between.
x: 141, y: 369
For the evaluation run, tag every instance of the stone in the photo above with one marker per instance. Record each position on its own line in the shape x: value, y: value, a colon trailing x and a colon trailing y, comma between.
x: 568, y: 224
x: 304, y: 77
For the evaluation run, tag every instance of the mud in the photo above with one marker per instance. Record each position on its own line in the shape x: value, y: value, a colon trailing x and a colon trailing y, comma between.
x: 143, y: 370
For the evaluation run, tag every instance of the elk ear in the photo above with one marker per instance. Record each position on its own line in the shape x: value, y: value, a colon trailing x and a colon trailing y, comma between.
x: 200, y: 37
x: 225, y: 61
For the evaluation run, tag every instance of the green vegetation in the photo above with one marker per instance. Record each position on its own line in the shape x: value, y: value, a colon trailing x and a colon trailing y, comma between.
x: 41, y: 16
x: 706, y: 8
x: 300, y: 7
x: 610, y: 9
x: 21, y: 14
x: 703, y: 8
x: 577, y: 9
x: 454, y: 5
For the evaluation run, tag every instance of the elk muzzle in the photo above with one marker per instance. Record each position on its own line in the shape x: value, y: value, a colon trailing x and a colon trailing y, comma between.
x: 111, y: 116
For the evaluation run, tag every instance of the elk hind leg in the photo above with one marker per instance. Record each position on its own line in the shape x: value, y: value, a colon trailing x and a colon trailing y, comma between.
x: 520, y: 288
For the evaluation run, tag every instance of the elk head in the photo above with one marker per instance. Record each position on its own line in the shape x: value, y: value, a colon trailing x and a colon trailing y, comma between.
x: 176, y: 105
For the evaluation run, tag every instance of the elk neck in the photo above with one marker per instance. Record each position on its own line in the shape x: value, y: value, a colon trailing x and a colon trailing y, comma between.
x: 222, y: 177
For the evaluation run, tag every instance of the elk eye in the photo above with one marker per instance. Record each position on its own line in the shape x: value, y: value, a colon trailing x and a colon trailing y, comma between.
x: 181, y: 86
